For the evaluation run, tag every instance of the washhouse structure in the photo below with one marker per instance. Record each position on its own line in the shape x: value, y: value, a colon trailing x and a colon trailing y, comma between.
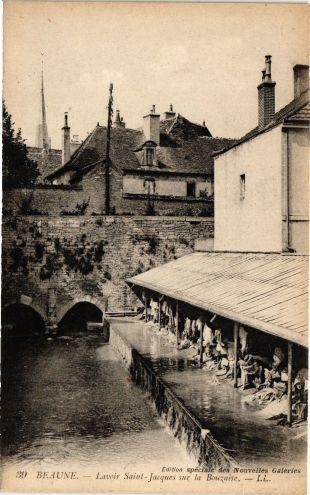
x: 250, y: 294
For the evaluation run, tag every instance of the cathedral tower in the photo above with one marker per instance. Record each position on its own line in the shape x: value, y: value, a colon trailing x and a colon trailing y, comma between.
x: 43, y: 140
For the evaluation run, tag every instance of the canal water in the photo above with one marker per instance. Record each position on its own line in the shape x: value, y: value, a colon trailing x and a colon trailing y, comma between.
x: 247, y: 436
x: 70, y: 400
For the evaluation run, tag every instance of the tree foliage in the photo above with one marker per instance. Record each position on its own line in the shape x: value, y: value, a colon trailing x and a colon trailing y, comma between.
x: 18, y: 170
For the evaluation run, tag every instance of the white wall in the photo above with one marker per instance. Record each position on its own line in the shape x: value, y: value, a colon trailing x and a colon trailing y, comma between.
x: 178, y: 188
x: 299, y: 171
x: 299, y: 189
x: 255, y: 222
x: 133, y: 185
x: 299, y: 234
x: 170, y: 188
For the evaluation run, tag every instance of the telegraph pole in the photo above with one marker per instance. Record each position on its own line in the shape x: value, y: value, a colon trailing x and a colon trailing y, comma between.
x: 107, y: 160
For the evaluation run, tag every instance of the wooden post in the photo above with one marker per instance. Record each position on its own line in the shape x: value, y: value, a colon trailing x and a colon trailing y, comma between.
x: 159, y: 312
x: 107, y: 157
x: 201, y: 345
x: 145, y: 307
x: 236, y: 334
x: 177, y: 322
x: 289, y: 382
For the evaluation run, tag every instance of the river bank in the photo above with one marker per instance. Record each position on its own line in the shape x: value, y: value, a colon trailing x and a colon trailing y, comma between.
x: 210, y: 418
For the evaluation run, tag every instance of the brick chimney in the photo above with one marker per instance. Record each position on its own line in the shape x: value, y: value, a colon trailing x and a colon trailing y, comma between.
x: 266, y: 96
x: 151, y: 126
x: 169, y: 114
x: 65, y: 141
x: 301, y: 79
x: 118, y: 122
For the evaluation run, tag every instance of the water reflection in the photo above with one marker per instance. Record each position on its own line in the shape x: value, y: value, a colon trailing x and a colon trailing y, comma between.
x: 219, y: 407
x: 71, y: 399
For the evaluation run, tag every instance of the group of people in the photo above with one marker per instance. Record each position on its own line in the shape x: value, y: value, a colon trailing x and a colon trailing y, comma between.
x: 214, y: 348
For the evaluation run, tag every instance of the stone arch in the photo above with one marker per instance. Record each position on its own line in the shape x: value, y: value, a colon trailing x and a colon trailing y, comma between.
x: 26, y: 301
x: 21, y: 318
x: 100, y: 304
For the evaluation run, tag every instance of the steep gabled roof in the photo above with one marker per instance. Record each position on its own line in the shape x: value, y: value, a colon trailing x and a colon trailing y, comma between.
x: 93, y: 150
x: 182, y: 128
x: 297, y: 111
x: 184, y: 148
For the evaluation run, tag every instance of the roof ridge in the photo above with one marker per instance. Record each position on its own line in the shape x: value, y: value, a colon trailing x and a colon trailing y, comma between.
x: 218, y: 137
x: 304, y: 100
x: 82, y: 145
x: 285, y: 112
x: 174, y: 120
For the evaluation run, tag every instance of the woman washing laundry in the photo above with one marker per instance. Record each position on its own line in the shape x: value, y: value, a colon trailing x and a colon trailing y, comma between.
x: 252, y: 371
x: 300, y: 395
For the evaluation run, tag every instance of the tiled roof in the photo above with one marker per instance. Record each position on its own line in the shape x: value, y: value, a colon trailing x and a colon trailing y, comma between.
x: 47, y: 162
x: 268, y: 292
x: 184, y: 148
x: 180, y: 127
x: 298, y: 110
x: 301, y: 115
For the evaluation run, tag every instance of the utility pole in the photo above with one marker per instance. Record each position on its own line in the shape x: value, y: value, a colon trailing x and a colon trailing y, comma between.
x: 107, y: 157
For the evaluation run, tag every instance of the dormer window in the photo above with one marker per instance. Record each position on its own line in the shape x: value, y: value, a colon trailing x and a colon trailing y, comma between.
x: 150, y: 153
x: 146, y: 154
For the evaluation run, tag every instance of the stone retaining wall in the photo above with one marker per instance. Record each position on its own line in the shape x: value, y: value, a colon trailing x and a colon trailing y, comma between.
x: 198, y: 441
x: 56, y: 262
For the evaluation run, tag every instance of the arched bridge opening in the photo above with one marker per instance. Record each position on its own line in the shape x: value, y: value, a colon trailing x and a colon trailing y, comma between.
x: 21, y: 320
x: 81, y: 317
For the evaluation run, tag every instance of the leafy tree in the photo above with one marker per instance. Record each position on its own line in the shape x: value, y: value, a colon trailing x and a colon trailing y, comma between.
x: 17, y: 168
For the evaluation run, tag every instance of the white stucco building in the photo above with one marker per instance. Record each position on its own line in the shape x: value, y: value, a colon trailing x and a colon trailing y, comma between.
x: 262, y: 181
x: 256, y: 278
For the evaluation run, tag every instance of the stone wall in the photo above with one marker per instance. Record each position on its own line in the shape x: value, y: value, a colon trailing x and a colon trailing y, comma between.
x: 63, y: 199
x: 43, y: 200
x: 199, y: 442
x: 58, y: 261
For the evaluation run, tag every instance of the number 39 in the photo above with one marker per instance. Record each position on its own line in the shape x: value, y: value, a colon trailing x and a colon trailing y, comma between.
x: 21, y: 474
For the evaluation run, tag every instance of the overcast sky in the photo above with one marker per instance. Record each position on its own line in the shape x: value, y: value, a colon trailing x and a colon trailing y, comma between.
x: 206, y: 60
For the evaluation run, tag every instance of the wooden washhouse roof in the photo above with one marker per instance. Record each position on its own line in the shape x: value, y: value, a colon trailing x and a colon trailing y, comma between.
x: 268, y: 292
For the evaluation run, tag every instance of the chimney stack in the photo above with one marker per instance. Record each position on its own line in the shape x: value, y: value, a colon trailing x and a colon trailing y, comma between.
x: 65, y: 141
x: 301, y: 79
x: 266, y: 96
x: 118, y: 122
x: 169, y: 114
x: 151, y: 126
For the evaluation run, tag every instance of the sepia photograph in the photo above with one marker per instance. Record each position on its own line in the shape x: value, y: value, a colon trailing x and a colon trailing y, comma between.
x: 155, y: 247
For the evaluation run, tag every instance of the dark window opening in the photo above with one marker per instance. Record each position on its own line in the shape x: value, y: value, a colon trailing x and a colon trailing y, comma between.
x: 149, y: 156
x: 149, y: 185
x: 191, y: 189
x: 242, y: 186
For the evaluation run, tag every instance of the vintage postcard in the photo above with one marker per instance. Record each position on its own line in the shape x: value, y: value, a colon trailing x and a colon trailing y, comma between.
x: 155, y: 229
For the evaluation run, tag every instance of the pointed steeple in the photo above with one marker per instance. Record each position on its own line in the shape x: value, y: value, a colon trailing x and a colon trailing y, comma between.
x: 43, y: 140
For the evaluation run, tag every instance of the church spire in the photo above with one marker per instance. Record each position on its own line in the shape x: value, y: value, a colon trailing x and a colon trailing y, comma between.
x: 43, y: 140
